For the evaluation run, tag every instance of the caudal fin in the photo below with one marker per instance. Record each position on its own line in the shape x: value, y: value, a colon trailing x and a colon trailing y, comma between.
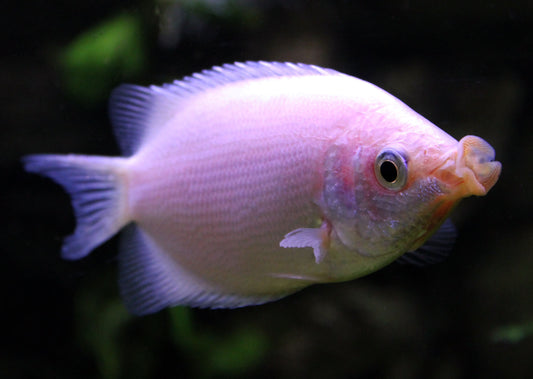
x: 97, y: 193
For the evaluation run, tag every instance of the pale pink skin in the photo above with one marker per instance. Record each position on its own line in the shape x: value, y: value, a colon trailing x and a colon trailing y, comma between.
x: 218, y: 187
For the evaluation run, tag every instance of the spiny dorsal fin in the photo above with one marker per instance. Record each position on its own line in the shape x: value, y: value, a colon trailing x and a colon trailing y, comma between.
x: 239, y: 71
x: 136, y: 110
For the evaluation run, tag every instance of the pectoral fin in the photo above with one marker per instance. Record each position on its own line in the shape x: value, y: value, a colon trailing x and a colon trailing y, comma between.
x: 308, y: 237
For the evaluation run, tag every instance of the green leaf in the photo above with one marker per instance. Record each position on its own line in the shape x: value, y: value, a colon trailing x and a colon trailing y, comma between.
x: 101, y: 57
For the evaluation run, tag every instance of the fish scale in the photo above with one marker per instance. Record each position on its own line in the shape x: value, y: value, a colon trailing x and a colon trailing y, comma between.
x: 250, y: 181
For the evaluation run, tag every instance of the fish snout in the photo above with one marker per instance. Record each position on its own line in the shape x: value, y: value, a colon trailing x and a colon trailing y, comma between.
x: 476, y: 165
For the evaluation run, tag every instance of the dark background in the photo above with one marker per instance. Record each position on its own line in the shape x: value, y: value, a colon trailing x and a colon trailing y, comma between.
x: 465, y: 65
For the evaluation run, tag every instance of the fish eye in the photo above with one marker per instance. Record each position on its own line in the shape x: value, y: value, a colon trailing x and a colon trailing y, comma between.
x: 390, y: 168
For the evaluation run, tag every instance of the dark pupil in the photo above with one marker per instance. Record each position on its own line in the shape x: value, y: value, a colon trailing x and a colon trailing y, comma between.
x: 388, y: 171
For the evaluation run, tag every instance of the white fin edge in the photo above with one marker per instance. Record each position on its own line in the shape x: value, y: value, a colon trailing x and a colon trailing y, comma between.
x: 136, y: 111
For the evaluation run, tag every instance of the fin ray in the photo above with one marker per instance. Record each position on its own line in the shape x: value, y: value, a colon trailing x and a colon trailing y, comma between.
x: 435, y: 250
x: 96, y: 195
x: 136, y: 111
x: 150, y: 280
x: 306, y: 237
x: 238, y: 71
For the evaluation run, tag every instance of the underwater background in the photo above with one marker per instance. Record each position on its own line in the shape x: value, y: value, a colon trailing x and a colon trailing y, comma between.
x: 464, y: 65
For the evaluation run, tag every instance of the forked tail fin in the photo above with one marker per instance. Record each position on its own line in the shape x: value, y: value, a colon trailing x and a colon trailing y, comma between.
x: 98, y: 196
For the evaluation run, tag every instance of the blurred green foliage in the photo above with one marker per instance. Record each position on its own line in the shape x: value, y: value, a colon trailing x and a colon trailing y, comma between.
x: 103, y: 56
x: 513, y: 333
x: 215, y: 355
x: 122, y: 344
x: 100, y: 322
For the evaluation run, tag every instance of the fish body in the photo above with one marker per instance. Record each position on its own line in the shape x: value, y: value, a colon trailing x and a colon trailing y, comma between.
x: 248, y: 182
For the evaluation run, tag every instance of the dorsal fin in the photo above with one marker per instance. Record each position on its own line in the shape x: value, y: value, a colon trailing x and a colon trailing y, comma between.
x: 135, y: 110
x: 239, y: 71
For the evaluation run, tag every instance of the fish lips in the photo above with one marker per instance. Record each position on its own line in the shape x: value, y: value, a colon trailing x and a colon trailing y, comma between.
x: 470, y: 169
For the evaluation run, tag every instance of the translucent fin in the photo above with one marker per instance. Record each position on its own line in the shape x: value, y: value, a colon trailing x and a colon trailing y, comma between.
x: 306, y: 237
x: 150, y: 280
x: 239, y: 71
x: 436, y: 249
x: 96, y: 194
x: 136, y: 111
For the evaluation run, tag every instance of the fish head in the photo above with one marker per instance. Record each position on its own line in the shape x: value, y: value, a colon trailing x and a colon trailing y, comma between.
x: 389, y: 196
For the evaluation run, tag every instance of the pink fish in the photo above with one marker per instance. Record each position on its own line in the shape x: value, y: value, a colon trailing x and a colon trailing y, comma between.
x: 250, y: 181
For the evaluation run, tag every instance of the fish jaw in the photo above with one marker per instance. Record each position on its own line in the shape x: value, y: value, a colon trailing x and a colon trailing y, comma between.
x: 470, y: 169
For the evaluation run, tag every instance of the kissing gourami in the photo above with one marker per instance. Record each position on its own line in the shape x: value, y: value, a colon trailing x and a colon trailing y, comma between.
x: 250, y: 181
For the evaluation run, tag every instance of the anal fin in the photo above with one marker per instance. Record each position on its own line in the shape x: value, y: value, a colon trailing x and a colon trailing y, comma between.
x: 150, y: 280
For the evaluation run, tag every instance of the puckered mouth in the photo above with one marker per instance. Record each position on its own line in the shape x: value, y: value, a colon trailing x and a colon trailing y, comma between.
x: 470, y: 169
